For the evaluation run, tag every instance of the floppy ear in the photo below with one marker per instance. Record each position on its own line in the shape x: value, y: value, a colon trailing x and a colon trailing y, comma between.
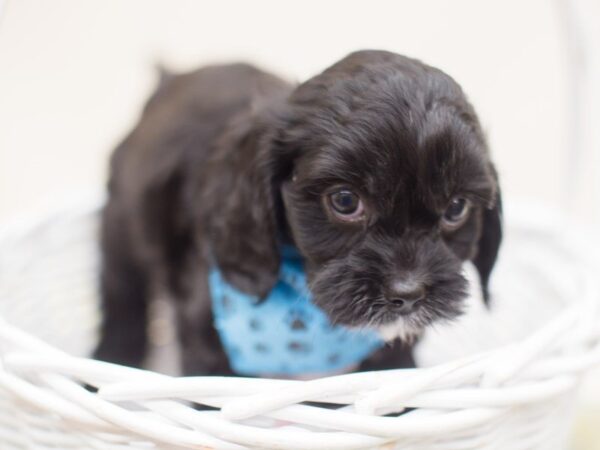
x: 488, y: 245
x: 240, y: 204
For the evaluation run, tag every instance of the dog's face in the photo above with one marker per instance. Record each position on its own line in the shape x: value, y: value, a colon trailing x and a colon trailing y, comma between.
x: 383, y: 181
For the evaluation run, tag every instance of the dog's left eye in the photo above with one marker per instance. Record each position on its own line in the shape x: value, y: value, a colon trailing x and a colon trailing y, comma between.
x: 346, y: 205
x: 456, y: 213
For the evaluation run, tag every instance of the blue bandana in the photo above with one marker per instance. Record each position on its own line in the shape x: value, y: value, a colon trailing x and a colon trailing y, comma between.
x: 286, y: 334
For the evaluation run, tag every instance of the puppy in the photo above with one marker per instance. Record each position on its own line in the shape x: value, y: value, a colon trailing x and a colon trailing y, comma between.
x: 376, y: 171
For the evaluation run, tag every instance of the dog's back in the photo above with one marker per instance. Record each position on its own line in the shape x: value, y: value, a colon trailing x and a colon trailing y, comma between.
x: 182, y: 119
x: 147, y: 234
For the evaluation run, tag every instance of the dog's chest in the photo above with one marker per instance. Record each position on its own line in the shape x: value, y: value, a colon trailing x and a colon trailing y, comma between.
x: 285, y: 335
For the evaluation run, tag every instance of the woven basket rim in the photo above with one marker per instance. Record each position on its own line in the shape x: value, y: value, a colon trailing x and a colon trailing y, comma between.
x: 450, y: 398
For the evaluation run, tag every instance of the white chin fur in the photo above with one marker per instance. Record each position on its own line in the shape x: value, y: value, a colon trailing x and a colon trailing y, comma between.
x: 402, y: 329
x: 399, y: 329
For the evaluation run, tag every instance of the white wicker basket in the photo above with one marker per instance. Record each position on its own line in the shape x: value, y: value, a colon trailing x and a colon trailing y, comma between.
x: 508, y: 381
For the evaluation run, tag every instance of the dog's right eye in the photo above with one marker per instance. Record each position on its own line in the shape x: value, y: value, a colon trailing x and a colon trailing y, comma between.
x: 346, y: 205
x: 456, y: 214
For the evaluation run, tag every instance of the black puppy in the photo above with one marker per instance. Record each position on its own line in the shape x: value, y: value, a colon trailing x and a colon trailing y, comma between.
x: 376, y: 170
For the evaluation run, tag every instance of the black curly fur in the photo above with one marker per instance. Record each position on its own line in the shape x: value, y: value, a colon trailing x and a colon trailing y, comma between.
x: 229, y: 162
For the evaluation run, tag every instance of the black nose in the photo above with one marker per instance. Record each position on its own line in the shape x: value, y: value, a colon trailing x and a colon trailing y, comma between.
x: 405, y: 295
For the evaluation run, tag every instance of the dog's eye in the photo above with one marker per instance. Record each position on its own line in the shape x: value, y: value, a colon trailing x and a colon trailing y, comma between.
x: 346, y: 205
x: 456, y: 213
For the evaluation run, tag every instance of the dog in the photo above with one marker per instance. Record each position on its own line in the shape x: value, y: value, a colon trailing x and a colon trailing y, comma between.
x: 376, y: 171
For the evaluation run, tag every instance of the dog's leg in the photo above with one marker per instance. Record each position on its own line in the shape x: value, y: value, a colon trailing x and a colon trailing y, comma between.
x: 395, y: 355
x: 124, y: 295
x: 201, y: 349
x: 200, y: 344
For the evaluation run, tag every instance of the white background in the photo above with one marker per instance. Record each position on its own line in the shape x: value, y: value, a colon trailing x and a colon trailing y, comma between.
x: 74, y: 74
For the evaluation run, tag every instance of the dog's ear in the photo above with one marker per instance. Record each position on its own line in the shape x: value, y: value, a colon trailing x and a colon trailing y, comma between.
x: 489, y: 244
x: 241, y: 205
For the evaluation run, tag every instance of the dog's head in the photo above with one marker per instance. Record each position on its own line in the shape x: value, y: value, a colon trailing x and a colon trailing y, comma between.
x: 378, y: 172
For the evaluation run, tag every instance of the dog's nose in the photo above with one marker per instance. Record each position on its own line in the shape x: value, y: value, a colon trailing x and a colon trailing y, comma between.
x: 405, y: 294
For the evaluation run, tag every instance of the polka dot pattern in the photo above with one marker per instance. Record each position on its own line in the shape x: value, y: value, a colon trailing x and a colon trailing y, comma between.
x: 286, y: 334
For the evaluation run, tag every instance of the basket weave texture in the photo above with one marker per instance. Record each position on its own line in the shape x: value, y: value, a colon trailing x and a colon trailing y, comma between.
x: 507, y: 379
